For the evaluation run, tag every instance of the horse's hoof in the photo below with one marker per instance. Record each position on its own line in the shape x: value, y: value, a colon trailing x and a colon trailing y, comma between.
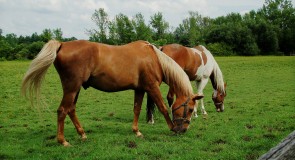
x: 139, y: 135
x: 151, y: 122
x: 205, y: 116
x: 66, y: 144
x: 84, y: 137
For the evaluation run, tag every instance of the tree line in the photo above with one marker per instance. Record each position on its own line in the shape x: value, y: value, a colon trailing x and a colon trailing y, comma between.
x: 268, y: 31
x: 27, y: 47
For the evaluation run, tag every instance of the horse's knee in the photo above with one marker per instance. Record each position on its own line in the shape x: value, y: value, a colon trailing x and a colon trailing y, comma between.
x: 61, y: 113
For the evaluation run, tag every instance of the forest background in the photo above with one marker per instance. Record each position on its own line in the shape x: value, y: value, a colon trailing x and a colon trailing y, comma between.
x: 268, y: 31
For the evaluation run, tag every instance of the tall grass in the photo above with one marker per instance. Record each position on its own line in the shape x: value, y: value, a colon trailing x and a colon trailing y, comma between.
x: 259, y: 112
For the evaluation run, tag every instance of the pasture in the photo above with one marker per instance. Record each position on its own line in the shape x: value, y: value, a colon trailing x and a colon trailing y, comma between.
x: 259, y: 112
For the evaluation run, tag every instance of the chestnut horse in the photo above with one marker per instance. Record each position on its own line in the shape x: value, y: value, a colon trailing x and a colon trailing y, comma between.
x: 198, y: 63
x: 139, y: 66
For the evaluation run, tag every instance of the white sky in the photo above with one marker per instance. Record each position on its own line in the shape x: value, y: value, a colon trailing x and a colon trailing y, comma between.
x: 24, y: 17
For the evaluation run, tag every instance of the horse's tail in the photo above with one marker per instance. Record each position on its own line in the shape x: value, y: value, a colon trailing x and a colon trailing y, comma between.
x: 175, y: 77
x: 32, y: 80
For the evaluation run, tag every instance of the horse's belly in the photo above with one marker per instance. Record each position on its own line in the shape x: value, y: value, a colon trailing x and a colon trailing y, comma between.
x: 109, y: 83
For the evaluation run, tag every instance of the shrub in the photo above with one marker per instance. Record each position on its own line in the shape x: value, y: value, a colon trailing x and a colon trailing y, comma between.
x: 220, y: 49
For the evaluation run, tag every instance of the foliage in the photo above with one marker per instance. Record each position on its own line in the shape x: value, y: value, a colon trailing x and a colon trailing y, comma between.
x: 159, y: 25
x: 13, y: 47
x: 100, y: 18
x: 268, y: 31
x: 220, y: 49
x: 257, y: 116
x: 142, y: 31
x: 191, y: 31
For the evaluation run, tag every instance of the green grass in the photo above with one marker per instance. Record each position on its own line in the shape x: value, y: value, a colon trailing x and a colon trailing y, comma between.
x: 259, y: 112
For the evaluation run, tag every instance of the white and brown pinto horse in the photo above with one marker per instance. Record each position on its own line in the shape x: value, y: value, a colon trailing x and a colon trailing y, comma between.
x: 139, y: 66
x: 198, y: 63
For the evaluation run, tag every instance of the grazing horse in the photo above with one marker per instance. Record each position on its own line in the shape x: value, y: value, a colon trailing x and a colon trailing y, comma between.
x: 139, y: 66
x: 198, y: 63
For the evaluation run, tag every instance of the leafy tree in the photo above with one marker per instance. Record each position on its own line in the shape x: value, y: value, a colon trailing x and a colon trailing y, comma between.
x: 57, y: 34
x: 124, y: 29
x: 35, y: 37
x: 236, y: 35
x: 159, y: 25
x: 34, y: 49
x: 113, y: 35
x: 46, y: 35
x: 281, y: 14
x: 5, y: 49
x: 191, y: 31
x: 142, y: 31
x: 11, y: 39
x: 220, y: 49
x: 101, y: 19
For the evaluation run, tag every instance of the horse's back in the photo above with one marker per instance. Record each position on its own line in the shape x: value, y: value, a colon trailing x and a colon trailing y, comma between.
x: 106, y: 67
x: 184, y: 57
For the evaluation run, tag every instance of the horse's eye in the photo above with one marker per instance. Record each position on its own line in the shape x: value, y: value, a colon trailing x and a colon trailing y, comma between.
x: 191, y: 110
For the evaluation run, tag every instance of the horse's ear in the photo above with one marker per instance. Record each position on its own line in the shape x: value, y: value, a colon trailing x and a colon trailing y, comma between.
x: 197, y: 97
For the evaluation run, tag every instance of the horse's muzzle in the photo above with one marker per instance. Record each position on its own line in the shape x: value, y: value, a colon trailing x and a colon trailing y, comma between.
x: 179, y: 129
x: 181, y: 125
x: 219, y: 110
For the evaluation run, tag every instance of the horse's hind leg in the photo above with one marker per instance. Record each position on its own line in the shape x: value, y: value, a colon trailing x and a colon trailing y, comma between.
x: 62, y: 112
x: 67, y: 106
x: 74, y: 118
x: 150, y: 110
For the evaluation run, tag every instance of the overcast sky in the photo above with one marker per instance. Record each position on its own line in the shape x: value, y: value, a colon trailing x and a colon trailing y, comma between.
x: 24, y: 17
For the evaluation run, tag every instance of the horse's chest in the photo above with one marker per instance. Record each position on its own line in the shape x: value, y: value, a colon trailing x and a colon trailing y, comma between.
x: 200, y: 72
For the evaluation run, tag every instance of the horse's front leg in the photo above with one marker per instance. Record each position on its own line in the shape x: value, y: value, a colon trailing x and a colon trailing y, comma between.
x: 138, y: 97
x: 157, y: 98
x: 200, y: 87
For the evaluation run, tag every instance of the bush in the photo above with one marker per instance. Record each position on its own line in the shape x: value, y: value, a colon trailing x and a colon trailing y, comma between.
x: 220, y: 49
x: 22, y: 54
x: 34, y: 49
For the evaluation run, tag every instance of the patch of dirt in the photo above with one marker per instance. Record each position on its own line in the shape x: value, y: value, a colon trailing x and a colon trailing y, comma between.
x: 247, y: 138
x: 131, y: 144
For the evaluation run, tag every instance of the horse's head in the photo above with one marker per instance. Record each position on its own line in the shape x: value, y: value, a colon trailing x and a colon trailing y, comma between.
x: 182, y: 110
x: 218, y: 98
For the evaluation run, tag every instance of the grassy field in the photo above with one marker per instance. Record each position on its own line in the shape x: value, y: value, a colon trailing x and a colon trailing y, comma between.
x: 259, y: 112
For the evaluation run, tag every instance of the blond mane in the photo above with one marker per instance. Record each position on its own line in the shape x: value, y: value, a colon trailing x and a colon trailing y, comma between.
x: 175, y: 77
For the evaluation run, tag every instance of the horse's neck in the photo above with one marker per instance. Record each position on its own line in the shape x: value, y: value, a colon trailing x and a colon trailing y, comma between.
x: 213, y: 82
